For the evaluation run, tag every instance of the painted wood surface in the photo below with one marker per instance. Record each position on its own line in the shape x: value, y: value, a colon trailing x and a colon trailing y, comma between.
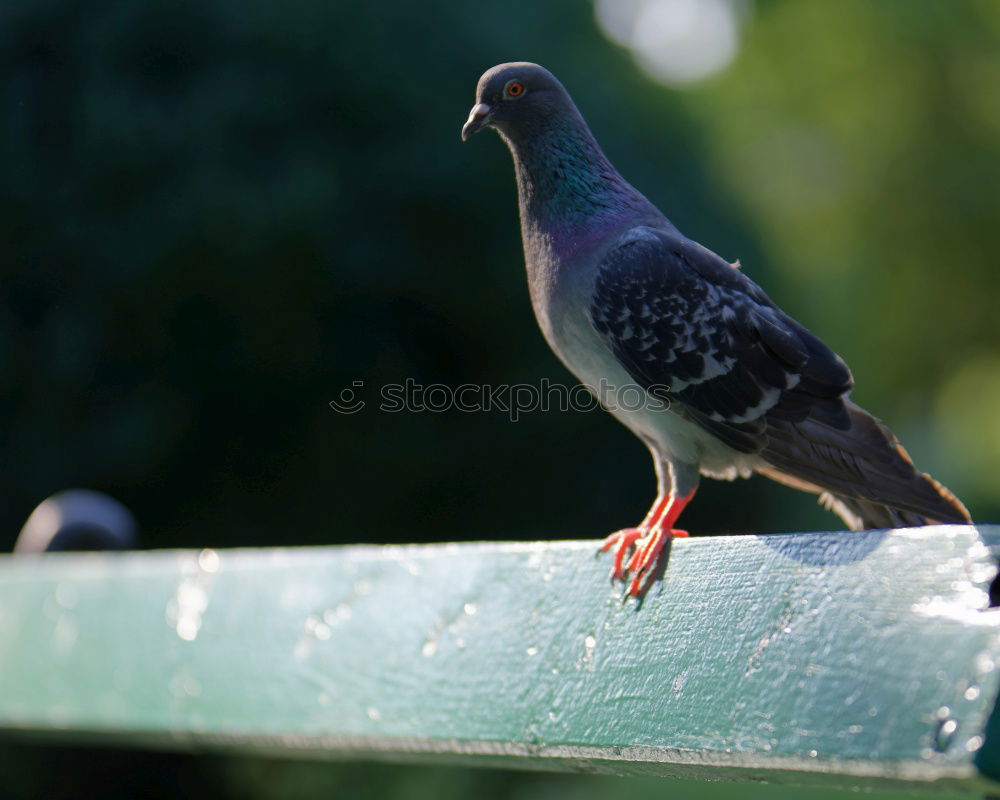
x: 841, y: 658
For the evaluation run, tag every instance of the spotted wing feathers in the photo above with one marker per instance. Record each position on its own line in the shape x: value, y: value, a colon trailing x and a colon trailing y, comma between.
x: 689, y: 326
x: 684, y: 322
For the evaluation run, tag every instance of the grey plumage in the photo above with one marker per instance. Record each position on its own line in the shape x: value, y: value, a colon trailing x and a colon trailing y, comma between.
x: 624, y: 298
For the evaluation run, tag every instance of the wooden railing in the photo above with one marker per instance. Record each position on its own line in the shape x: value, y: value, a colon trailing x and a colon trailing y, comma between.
x: 848, y: 659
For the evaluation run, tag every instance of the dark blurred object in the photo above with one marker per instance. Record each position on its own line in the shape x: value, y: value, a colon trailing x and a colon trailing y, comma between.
x: 36, y: 769
x: 78, y: 519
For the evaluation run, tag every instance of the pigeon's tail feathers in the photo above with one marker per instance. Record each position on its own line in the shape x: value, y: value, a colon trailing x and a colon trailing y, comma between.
x: 866, y: 514
x: 860, y: 471
x: 857, y: 514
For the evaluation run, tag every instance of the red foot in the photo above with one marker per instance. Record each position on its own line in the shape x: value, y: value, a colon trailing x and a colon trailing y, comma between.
x: 647, y: 556
x: 648, y: 540
x: 622, y: 541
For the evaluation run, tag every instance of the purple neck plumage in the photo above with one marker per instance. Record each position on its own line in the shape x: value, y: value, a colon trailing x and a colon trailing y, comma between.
x: 570, y: 194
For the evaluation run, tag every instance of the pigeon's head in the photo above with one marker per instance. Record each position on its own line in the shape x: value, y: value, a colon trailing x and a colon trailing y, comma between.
x: 516, y: 98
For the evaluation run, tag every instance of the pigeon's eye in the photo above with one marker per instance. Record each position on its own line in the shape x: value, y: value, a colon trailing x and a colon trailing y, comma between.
x: 513, y: 89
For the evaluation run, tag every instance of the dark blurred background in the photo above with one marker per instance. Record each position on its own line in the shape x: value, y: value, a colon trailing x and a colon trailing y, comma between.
x: 217, y: 215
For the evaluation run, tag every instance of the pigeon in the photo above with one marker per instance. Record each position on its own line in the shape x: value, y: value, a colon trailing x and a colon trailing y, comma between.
x: 731, y: 385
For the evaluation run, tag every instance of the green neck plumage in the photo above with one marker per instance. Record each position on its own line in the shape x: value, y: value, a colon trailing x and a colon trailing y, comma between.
x: 566, y: 185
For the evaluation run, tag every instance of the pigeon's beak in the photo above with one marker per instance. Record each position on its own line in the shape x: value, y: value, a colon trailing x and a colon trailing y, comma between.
x: 478, y: 117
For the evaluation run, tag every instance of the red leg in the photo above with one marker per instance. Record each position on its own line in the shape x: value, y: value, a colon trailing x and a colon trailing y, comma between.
x: 645, y: 556
x: 643, y: 563
x: 655, y: 531
x: 623, y: 540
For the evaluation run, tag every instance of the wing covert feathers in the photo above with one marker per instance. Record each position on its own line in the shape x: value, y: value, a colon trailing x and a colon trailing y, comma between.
x: 680, y: 319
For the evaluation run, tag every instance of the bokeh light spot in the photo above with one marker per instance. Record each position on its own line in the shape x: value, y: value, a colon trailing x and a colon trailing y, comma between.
x: 677, y: 42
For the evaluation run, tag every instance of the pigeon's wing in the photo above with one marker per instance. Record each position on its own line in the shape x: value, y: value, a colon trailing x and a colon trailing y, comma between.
x: 692, y: 329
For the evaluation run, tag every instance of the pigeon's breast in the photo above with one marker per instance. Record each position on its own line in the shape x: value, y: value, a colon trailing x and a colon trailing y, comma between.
x: 561, y: 298
x: 561, y: 294
x: 561, y: 291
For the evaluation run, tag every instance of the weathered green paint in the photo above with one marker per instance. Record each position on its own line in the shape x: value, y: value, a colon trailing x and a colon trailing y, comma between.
x: 838, y: 658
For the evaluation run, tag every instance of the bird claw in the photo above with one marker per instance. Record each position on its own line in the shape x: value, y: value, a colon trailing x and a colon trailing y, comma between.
x: 622, y: 541
x: 648, y: 547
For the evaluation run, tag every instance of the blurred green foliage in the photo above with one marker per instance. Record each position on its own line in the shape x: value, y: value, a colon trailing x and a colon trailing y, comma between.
x: 219, y: 214
x: 862, y: 142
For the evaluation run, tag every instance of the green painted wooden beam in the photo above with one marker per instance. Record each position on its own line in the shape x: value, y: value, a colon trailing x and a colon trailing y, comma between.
x: 840, y: 658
